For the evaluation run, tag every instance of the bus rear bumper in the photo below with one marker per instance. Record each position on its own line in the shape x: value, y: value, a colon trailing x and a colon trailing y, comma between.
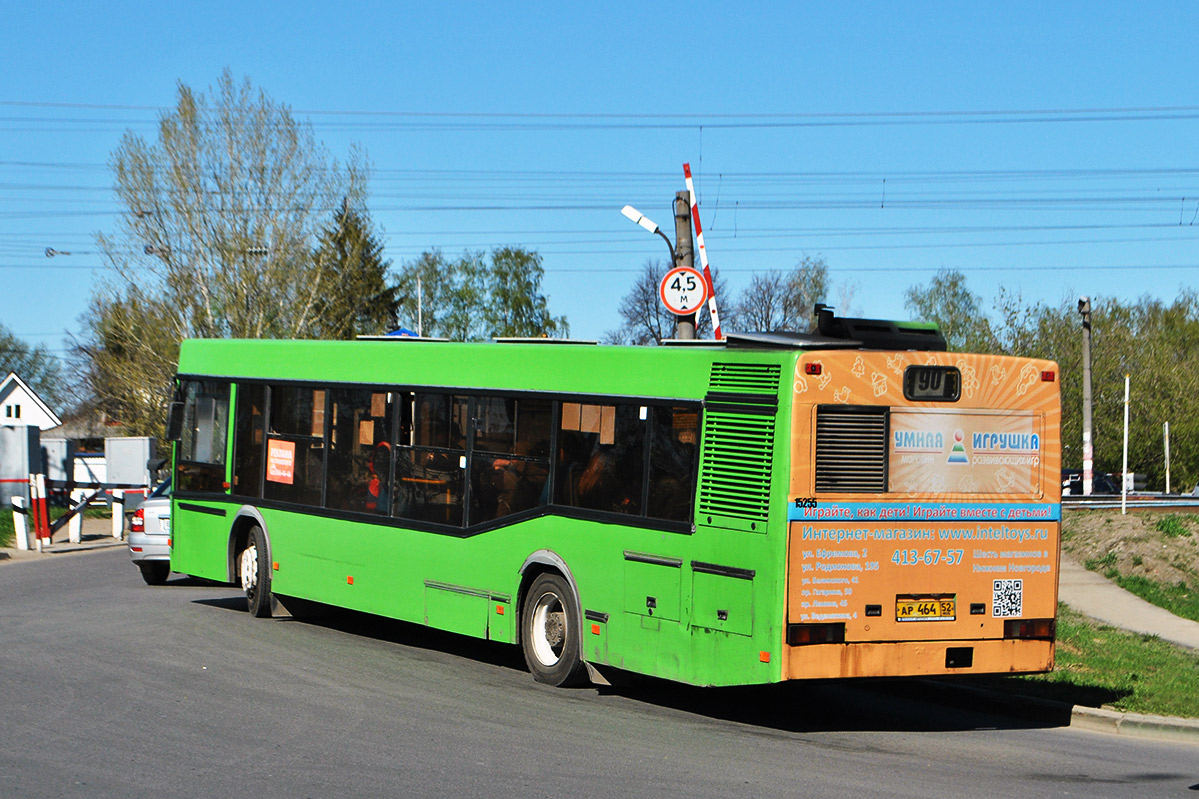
x: 916, y: 658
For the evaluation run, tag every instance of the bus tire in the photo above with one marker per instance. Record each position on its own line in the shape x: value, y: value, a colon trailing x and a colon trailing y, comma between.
x: 155, y: 572
x: 254, y: 572
x: 549, y: 627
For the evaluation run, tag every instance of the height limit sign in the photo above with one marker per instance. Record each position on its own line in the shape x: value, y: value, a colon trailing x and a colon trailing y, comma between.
x: 683, y: 290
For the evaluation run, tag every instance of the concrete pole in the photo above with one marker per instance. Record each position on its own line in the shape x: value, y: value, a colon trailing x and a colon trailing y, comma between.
x: 1124, y: 474
x: 684, y: 255
x: 1166, y: 441
x: 1088, y: 453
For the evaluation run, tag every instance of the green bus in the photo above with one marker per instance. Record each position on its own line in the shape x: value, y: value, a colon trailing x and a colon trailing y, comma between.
x: 693, y: 513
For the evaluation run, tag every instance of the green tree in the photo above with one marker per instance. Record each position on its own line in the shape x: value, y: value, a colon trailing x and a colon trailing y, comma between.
x: 359, y: 301
x: 37, y: 366
x: 443, y: 298
x: 218, y: 240
x: 474, y: 298
x: 130, y: 359
x: 957, y: 311
x: 517, y: 307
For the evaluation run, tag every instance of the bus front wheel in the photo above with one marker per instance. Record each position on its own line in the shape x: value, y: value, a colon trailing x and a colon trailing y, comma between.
x: 549, y: 632
x: 255, y: 574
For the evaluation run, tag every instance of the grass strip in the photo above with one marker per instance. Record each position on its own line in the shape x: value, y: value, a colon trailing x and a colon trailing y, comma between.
x: 8, y: 533
x: 1179, y: 598
x: 1101, y: 666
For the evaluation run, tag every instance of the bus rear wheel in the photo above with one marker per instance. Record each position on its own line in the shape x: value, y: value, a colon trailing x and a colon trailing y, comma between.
x: 255, y: 575
x: 549, y: 632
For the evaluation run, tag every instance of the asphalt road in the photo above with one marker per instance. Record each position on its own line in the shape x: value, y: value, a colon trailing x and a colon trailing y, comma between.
x: 111, y: 688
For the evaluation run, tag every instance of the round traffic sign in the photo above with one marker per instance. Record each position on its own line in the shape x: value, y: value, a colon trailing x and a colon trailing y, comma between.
x: 683, y: 290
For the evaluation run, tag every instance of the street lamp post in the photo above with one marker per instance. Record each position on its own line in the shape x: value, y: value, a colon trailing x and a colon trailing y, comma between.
x: 639, y: 218
x: 680, y: 251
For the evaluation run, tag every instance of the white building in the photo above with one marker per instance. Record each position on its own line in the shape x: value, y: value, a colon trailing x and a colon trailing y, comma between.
x: 20, y: 405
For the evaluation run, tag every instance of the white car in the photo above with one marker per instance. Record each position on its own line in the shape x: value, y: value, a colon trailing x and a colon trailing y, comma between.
x: 150, y: 535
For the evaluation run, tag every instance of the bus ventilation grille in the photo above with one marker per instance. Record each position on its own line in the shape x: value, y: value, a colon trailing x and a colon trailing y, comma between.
x: 745, y: 378
x: 735, y: 478
x: 851, y: 449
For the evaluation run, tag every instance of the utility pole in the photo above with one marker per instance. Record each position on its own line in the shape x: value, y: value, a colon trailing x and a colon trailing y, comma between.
x: 684, y: 255
x: 1088, y: 454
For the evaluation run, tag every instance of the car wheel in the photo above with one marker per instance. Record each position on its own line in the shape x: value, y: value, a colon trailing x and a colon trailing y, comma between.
x: 155, y: 572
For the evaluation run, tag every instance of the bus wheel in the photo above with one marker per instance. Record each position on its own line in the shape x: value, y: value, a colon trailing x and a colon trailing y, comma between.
x: 255, y: 574
x: 549, y: 632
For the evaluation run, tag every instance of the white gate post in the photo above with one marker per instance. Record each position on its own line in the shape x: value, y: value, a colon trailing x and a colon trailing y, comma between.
x: 118, y: 513
x: 75, y: 524
x: 19, y: 522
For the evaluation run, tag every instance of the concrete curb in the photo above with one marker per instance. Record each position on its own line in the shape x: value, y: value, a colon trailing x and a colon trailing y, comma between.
x: 1112, y: 722
x: 1137, y: 725
x: 60, y: 548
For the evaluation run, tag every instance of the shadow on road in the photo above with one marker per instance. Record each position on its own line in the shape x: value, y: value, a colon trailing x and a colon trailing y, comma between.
x: 914, y: 705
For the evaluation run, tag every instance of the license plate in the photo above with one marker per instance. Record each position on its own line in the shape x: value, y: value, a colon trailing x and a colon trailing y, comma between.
x: 925, y: 608
x: 165, y: 523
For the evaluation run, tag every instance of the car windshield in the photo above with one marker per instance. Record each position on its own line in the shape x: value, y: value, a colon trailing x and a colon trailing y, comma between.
x: 163, y: 489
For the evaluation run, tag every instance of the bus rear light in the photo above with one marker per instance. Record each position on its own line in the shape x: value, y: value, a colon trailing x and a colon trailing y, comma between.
x: 1029, y: 628
x: 138, y: 523
x: 1048, y: 377
x: 811, y: 368
x: 803, y: 634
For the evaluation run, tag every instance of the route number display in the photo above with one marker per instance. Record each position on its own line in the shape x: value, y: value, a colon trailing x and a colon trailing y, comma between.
x: 683, y: 290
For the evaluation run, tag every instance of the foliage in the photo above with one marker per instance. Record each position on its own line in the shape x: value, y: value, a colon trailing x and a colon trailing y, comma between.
x: 956, y: 310
x: 219, y: 240
x: 1172, y: 527
x: 1179, y: 598
x: 37, y: 366
x: 1100, y: 665
x: 517, y: 308
x: 473, y: 298
x: 645, y: 321
x: 131, y: 357
x: 1156, y: 343
x: 777, y: 301
x: 359, y: 300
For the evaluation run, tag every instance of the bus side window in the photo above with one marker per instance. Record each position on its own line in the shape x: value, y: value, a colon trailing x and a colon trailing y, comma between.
x: 429, y: 477
x: 601, y: 457
x: 295, y: 445
x: 359, y: 466
x: 510, y: 458
x: 674, y: 457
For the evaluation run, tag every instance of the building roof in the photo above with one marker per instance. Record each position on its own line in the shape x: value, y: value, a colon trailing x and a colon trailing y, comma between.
x: 13, y: 383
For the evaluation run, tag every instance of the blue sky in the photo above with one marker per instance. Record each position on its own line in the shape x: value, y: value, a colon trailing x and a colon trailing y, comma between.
x: 893, y: 139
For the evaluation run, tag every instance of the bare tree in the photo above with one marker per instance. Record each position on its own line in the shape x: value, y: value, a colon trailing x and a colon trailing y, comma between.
x: 222, y: 223
x: 644, y: 319
x: 777, y: 301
